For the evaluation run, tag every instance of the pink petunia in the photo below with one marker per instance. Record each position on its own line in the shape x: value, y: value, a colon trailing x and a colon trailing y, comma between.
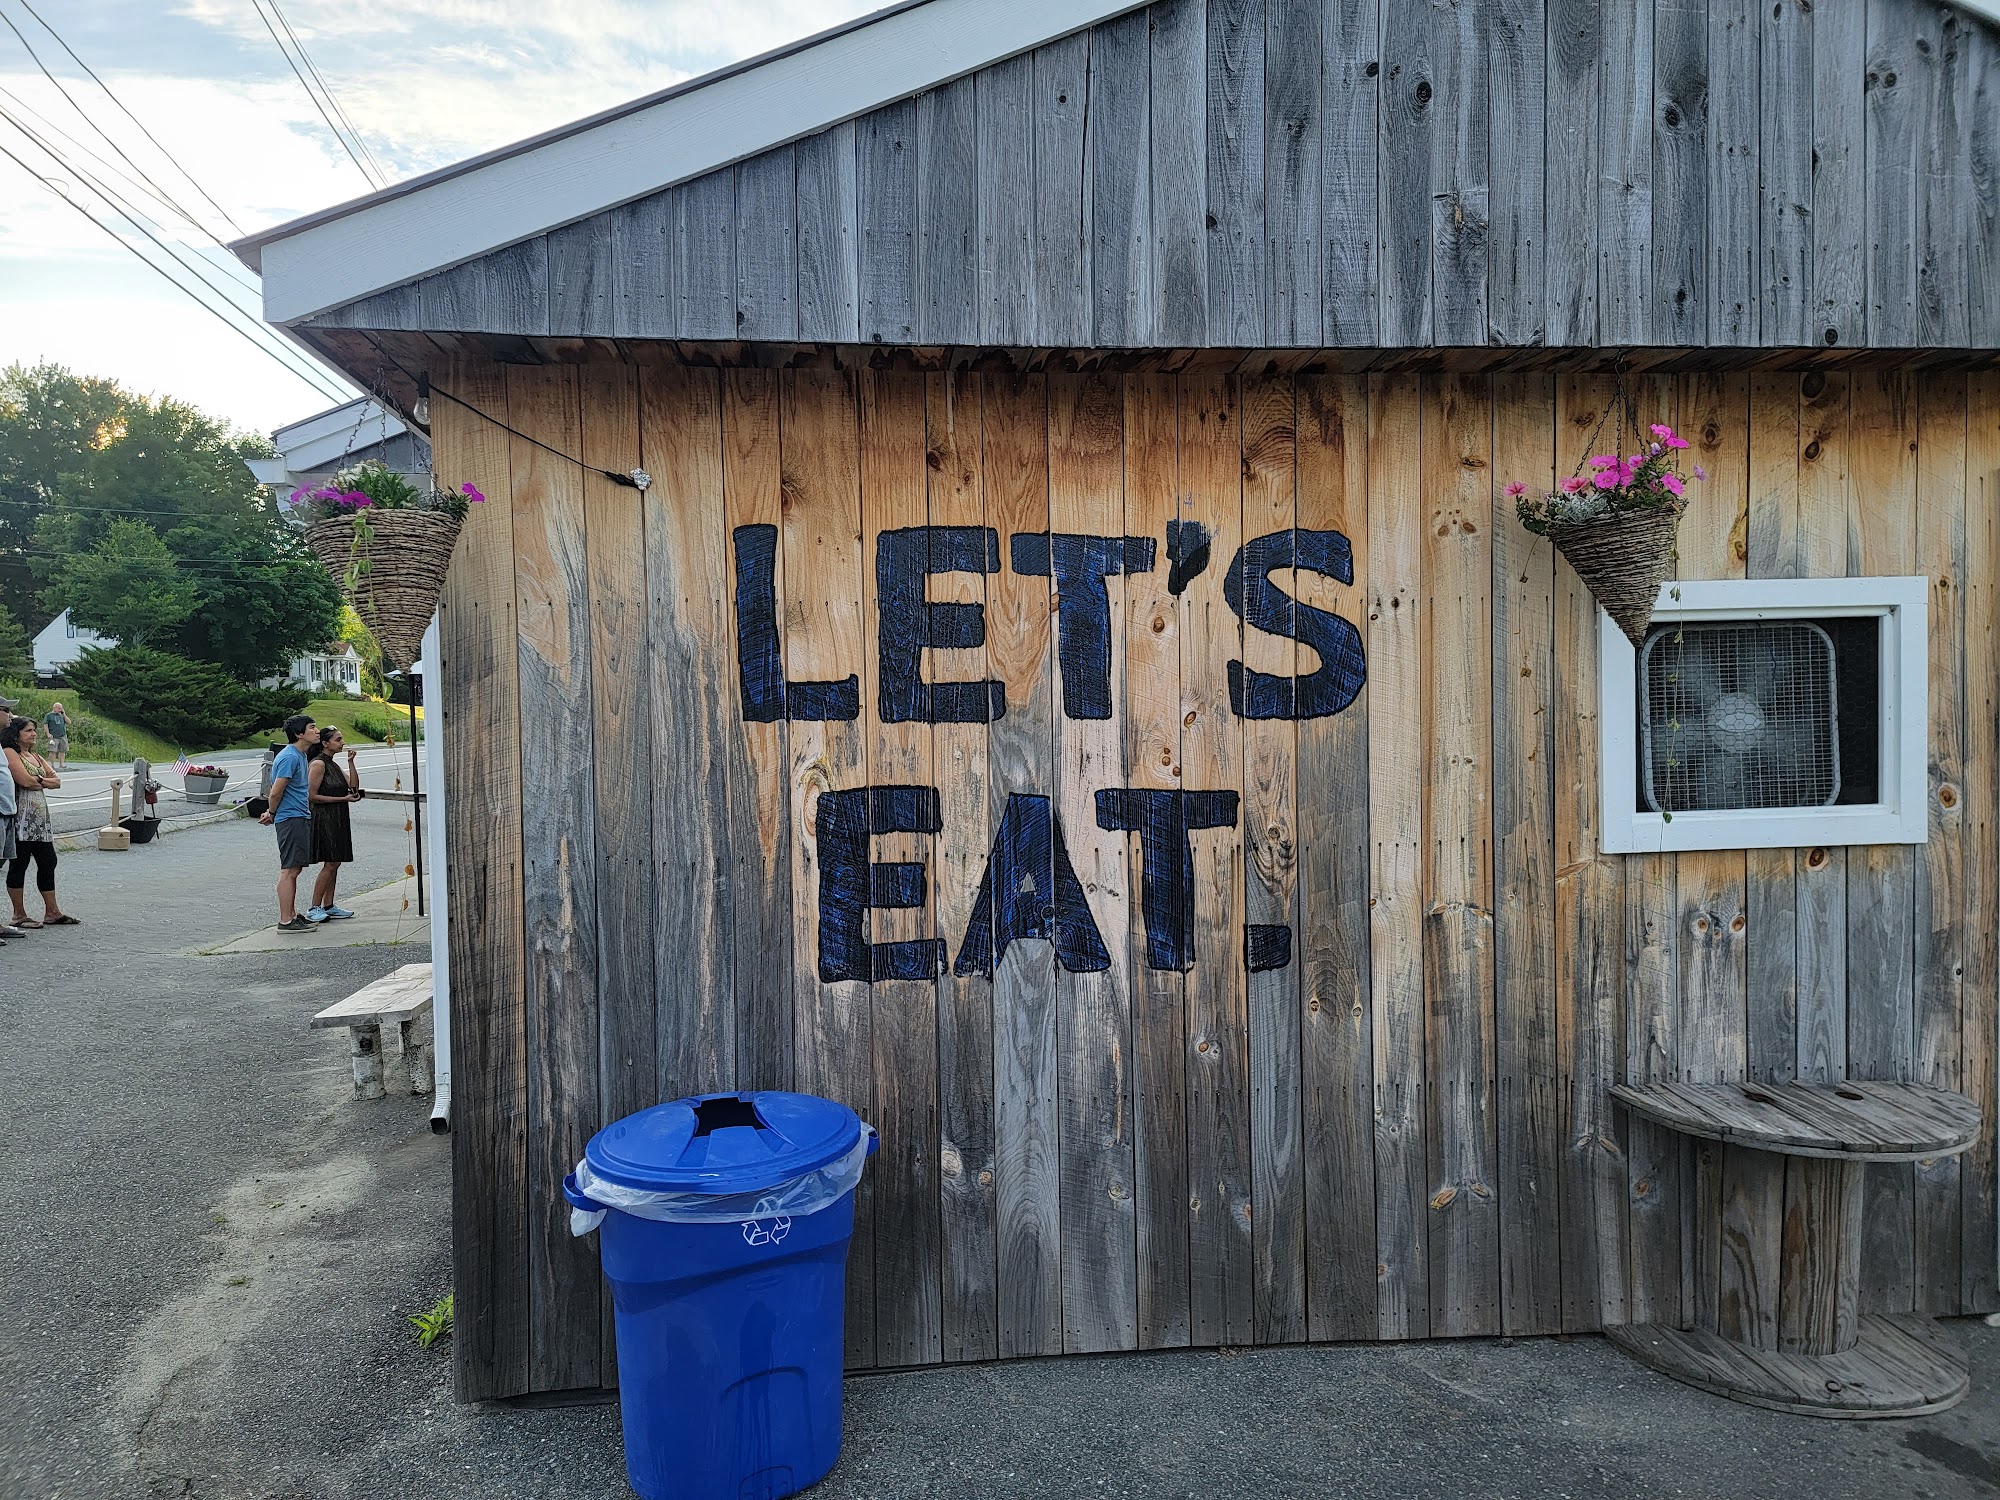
x: 1700, y: 472
x: 1603, y: 460
x: 1574, y: 483
x: 1516, y: 489
x: 472, y: 494
x: 1661, y: 430
x: 1677, y: 442
x: 1605, y: 479
x: 1672, y: 481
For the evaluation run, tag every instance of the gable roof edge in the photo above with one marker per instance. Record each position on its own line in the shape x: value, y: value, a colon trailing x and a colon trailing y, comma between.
x: 488, y: 203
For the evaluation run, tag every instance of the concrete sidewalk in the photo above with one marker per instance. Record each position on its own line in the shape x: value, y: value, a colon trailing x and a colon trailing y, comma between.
x: 212, y: 1253
x: 386, y: 917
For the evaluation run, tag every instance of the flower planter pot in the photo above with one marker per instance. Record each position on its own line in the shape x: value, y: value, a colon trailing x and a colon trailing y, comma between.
x: 205, y: 789
x: 1622, y: 558
x: 393, y: 575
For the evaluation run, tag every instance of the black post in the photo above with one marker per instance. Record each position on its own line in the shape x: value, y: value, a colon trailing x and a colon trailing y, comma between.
x: 416, y: 789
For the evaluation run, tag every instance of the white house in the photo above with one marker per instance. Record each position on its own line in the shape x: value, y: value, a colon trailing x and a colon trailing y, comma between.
x: 59, y: 643
x: 332, y: 669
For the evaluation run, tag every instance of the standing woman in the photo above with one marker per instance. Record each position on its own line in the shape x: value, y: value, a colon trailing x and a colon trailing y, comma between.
x: 331, y: 790
x: 35, y: 835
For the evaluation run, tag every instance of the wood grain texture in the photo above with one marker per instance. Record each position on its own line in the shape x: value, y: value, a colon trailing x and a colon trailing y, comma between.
x: 479, y: 714
x: 1178, y: 83
x: 1677, y: 283
x: 1735, y: 302
x: 705, y: 256
x: 1890, y: 136
x: 1517, y: 90
x: 1410, y: 136
x: 1062, y: 207
x: 1575, y: 58
x: 1943, y: 173
x: 829, y: 233
x: 1119, y: 153
x: 1397, y: 742
x: 1979, y: 1268
x: 767, y: 246
x: 1460, y: 177
x: 1152, y: 722
x: 1837, y: 311
x: 1237, y: 296
x: 552, y: 597
x: 644, y: 303
x: 1785, y: 144
x: 1021, y: 761
x: 582, y: 276
x: 1294, y: 164
x: 885, y: 154
x: 1004, y: 114
x: 970, y: 1312
x: 1351, y: 88
x: 947, y: 169
x: 1220, y: 1255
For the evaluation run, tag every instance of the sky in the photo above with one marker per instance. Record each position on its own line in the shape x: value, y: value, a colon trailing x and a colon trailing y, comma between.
x: 424, y: 85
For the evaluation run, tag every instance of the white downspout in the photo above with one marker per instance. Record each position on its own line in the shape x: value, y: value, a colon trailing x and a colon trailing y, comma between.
x: 434, y: 843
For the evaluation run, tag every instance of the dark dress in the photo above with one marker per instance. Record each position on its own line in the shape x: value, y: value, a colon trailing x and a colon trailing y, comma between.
x: 333, y: 838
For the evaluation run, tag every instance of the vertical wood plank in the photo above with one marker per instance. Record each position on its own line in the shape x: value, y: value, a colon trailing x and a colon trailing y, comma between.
x: 644, y: 303
x: 824, y: 642
x: 1979, y: 1275
x: 1294, y: 119
x: 1625, y: 176
x: 690, y: 647
x: 828, y: 236
x: 948, y: 213
x: 1220, y: 1257
x: 757, y: 752
x: 903, y: 1022
x: 1397, y: 743
x: 1940, y: 871
x: 885, y: 180
x: 480, y: 714
x: 1118, y: 146
x: 1179, y: 168
x: 1784, y: 145
x: 1524, y: 957
x: 1152, y: 721
x: 1575, y: 41
x: 1093, y: 1006
x: 581, y: 278
x: 1410, y: 128
x: 1236, y: 291
x: 970, y: 1313
x: 1838, y: 311
x: 1983, y: 206
x: 1678, y: 313
x: 1021, y: 762
x: 1733, y: 296
x: 1881, y: 971
x: 1590, y: 951
x: 1062, y: 211
x: 1459, y: 175
x: 1891, y: 122
x: 1005, y: 146
x: 704, y: 257
x: 552, y: 585
x: 1517, y: 256
x: 767, y: 246
x: 1944, y: 181
x: 1270, y: 872
x: 1457, y: 890
x: 1336, y: 1046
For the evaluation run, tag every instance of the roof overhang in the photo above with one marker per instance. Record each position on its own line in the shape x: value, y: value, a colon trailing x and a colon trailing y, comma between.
x: 490, y: 202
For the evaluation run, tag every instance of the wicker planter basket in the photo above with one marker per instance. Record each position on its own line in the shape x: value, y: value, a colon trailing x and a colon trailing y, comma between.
x: 408, y: 554
x: 1622, y: 560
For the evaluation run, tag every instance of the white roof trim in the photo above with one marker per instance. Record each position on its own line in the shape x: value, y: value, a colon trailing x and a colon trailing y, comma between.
x: 454, y: 216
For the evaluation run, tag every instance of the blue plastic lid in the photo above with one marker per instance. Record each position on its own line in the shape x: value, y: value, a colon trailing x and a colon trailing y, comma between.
x: 723, y: 1143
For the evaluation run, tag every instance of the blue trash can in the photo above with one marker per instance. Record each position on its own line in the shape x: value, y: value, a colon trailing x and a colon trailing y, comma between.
x: 724, y: 1225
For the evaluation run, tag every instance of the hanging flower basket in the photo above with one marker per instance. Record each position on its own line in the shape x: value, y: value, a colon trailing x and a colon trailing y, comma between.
x: 388, y: 545
x: 1614, y: 518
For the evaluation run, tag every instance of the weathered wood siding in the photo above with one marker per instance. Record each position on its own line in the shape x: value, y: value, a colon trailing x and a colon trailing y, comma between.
x: 1339, y: 1072
x: 1337, y: 173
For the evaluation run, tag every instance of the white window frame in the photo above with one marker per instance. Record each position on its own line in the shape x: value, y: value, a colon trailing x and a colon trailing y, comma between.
x: 1903, y: 814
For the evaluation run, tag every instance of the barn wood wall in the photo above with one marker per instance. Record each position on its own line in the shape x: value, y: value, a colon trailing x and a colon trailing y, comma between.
x: 1403, y: 1133
x: 1340, y: 174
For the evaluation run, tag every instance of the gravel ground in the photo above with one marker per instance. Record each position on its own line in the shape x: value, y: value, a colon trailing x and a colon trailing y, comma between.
x: 214, y: 1251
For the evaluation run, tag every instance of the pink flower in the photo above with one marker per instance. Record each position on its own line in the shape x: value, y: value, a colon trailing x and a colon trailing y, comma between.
x: 1700, y: 472
x: 1574, y: 483
x: 1672, y: 481
x: 1605, y: 479
x: 298, y: 494
x: 471, y: 494
x: 1517, y: 489
x: 1662, y: 431
x: 1603, y: 460
x: 1677, y: 442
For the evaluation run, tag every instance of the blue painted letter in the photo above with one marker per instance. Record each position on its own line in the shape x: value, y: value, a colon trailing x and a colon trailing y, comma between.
x: 903, y: 560
x: 849, y: 884
x: 1080, y: 565
x: 1162, y: 820
x: 1260, y: 603
x: 767, y: 697
x: 1030, y: 890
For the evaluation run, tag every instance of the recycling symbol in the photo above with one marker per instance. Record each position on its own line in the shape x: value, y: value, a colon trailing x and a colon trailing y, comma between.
x: 769, y: 1228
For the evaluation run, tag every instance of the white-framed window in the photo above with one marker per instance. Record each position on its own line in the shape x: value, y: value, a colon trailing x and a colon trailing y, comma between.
x: 1768, y: 713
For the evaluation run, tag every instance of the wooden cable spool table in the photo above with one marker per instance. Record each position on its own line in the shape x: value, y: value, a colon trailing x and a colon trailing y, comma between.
x: 1792, y: 1157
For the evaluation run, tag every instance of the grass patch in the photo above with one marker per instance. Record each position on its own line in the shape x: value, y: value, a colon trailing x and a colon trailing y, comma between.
x: 92, y: 736
x: 355, y: 718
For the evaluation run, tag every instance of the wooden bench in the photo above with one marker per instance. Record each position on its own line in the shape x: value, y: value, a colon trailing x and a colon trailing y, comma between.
x: 1776, y: 1312
x: 389, y: 1032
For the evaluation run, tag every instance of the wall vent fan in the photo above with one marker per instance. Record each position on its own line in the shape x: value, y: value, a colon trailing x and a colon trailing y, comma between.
x: 1738, y: 714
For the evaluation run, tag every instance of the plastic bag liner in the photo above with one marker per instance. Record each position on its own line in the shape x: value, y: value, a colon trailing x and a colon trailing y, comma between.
x: 802, y: 1195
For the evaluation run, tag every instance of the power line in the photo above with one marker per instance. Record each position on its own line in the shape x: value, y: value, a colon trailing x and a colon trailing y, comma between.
x: 317, y: 383
x: 331, y: 98
x: 323, y: 113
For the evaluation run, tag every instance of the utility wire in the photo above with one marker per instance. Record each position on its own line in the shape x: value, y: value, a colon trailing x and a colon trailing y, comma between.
x: 322, y: 108
x: 331, y: 98
x: 316, y: 382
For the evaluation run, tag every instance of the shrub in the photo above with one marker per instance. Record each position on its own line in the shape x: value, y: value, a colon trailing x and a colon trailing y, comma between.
x: 190, y: 703
x: 372, y: 725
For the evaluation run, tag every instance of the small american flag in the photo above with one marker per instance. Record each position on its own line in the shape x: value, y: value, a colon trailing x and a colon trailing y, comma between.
x: 183, y: 766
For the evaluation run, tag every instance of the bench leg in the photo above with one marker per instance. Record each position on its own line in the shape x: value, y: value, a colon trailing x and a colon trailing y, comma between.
x: 417, y: 1047
x: 364, y: 1045
x: 396, y: 1059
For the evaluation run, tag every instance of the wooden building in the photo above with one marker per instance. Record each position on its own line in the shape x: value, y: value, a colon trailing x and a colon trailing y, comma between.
x: 1074, y: 689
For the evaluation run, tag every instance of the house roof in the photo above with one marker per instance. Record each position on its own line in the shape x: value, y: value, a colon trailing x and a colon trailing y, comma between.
x: 491, y: 201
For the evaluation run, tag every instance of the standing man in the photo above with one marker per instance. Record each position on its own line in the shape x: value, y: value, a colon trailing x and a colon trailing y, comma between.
x: 291, y: 812
x: 10, y: 814
x: 56, y: 722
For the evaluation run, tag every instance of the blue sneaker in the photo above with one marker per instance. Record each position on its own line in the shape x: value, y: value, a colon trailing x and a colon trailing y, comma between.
x: 338, y: 914
x: 317, y: 914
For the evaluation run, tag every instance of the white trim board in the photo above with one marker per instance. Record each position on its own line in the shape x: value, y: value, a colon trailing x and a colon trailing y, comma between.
x: 403, y: 233
x: 1902, y: 816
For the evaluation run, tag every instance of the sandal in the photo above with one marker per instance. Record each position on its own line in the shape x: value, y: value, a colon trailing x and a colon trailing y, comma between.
x: 28, y: 922
x: 61, y: 919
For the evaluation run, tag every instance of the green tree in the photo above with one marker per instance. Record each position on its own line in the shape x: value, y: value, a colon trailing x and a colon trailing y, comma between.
x: 128, y: 586
x: 354, y: 630
x: 194, y: 704
x: 17, y: 654
x: 260, y: 598
x: 50, y: 423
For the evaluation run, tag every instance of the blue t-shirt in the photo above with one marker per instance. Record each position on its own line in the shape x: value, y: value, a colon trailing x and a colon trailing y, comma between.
x: 291, y: 762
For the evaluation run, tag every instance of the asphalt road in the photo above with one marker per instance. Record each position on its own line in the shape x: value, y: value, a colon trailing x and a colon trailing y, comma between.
x: 84, y: 799
x: 211, y: 1252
